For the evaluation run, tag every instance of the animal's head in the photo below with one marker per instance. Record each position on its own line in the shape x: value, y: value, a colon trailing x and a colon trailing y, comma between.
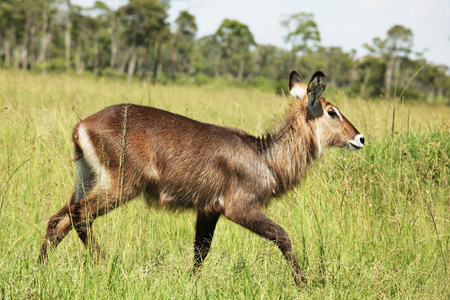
x: 331, y: 127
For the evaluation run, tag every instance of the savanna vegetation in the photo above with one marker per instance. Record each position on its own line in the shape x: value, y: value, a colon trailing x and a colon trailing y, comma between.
x: 137, y: 41
x: 368, y: 224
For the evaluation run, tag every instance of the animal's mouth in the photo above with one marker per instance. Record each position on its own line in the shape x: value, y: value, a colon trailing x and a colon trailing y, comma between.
x: 356, y: 144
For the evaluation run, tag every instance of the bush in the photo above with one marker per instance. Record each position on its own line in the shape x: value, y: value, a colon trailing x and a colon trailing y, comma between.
x: 262, y: 83
x: 281, y: 87
x: 57, y: 64
x: 108, y: 72
x: 201, y: 79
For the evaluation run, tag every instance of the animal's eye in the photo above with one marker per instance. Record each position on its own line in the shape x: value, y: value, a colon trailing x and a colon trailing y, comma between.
x: 332, y: 113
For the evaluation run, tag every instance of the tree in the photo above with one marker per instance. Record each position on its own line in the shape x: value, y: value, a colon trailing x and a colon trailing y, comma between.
x: 303, y: 33
x: 145, y: 22
x: 397, y: 45
x: 104, y: 29
x: 206, y: 56
x: 24, y: 32
x: 56, y: 35
x: 432, y: 81
x: 67, y: 34
x: 235, y: 40
x: 370, y: 79
x: 46, y: 33
x: 16, y: 38
x: 87, y: 30
x: 7, y: 16
x: 337, y: 64
x: 183, y: 42
x: 272, y: 62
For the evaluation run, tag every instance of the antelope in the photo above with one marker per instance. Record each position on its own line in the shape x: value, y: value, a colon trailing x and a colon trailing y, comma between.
x: 179, y: 163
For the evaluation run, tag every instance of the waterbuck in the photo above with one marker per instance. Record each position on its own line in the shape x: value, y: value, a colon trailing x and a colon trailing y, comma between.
x: 176, y: 162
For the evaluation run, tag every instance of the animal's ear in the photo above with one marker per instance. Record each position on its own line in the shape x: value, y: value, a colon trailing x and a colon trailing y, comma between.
x: 316, y: 87
x: 297, y: 86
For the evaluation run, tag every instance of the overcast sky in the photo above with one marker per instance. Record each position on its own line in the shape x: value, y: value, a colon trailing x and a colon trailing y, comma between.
x: 348, y: 24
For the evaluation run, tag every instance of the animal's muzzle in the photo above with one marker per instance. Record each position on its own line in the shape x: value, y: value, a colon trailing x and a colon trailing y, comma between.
x: 356, y: 144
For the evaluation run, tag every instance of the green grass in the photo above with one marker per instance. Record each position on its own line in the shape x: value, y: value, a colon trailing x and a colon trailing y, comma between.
x: 367, y: 224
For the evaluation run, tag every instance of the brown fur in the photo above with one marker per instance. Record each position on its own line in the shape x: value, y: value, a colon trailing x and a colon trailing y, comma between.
x: 179, y: 163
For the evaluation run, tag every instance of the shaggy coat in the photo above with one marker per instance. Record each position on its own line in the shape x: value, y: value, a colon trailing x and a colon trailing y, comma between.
x: 179, y: 163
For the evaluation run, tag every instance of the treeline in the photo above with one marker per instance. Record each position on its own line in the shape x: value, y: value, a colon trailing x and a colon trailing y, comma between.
x: 136, y: 40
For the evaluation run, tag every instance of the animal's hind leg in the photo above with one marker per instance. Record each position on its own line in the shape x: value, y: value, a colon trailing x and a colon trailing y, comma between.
x: 96, y: 204
x: 85, y: 212
x: 59, y: 225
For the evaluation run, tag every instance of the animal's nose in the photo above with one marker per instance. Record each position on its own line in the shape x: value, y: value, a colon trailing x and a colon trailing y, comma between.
x: 361, y: 139
x: 357, y: 143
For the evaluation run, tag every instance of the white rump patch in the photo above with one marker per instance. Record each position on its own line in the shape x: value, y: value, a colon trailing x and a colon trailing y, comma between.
x: 91, y: 158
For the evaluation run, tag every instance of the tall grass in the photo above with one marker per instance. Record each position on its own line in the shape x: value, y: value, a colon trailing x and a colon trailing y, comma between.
x: 367, y: 224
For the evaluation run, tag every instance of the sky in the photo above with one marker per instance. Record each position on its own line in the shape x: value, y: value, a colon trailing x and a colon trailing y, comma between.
x: 348, y: 24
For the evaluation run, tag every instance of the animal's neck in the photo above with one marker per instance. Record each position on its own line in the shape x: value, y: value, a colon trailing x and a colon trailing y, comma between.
x: 290, y: 149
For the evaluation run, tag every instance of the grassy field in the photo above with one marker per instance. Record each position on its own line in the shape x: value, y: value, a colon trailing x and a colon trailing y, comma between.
x: 367, y: 224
